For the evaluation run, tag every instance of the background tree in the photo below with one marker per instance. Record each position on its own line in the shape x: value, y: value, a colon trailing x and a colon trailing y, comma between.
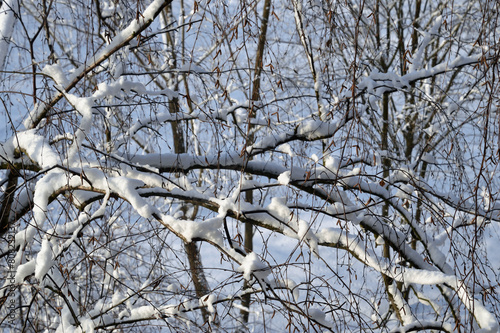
x: 249, y: 166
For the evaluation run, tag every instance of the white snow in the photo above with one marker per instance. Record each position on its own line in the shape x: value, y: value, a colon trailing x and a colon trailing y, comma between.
x: 252, y: 265
x: 25, y: 270
x: 44, y: 260
x: 57, y: 74
x: 208, y: 301
x: 278, y: 206
x: 141, y: 312
x: 35, y: 146
x: 8, y: 13
x: 126, y: 187
x: 284, y: 178
x: 287, y: 149
x: 190, y: 230
x: 319, y: 316
x: 405, y: 191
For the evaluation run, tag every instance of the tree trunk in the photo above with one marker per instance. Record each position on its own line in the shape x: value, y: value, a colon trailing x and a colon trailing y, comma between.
x: 180, y: 147
x: 248, y: 240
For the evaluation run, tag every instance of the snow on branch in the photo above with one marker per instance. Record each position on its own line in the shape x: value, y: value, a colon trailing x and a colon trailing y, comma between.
x: 124, y: 37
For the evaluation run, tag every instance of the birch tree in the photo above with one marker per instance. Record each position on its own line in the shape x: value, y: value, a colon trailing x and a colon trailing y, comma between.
x: 249, y: 166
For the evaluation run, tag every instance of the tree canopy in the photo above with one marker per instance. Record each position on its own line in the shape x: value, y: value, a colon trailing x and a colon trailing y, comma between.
x: 249, y: 165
